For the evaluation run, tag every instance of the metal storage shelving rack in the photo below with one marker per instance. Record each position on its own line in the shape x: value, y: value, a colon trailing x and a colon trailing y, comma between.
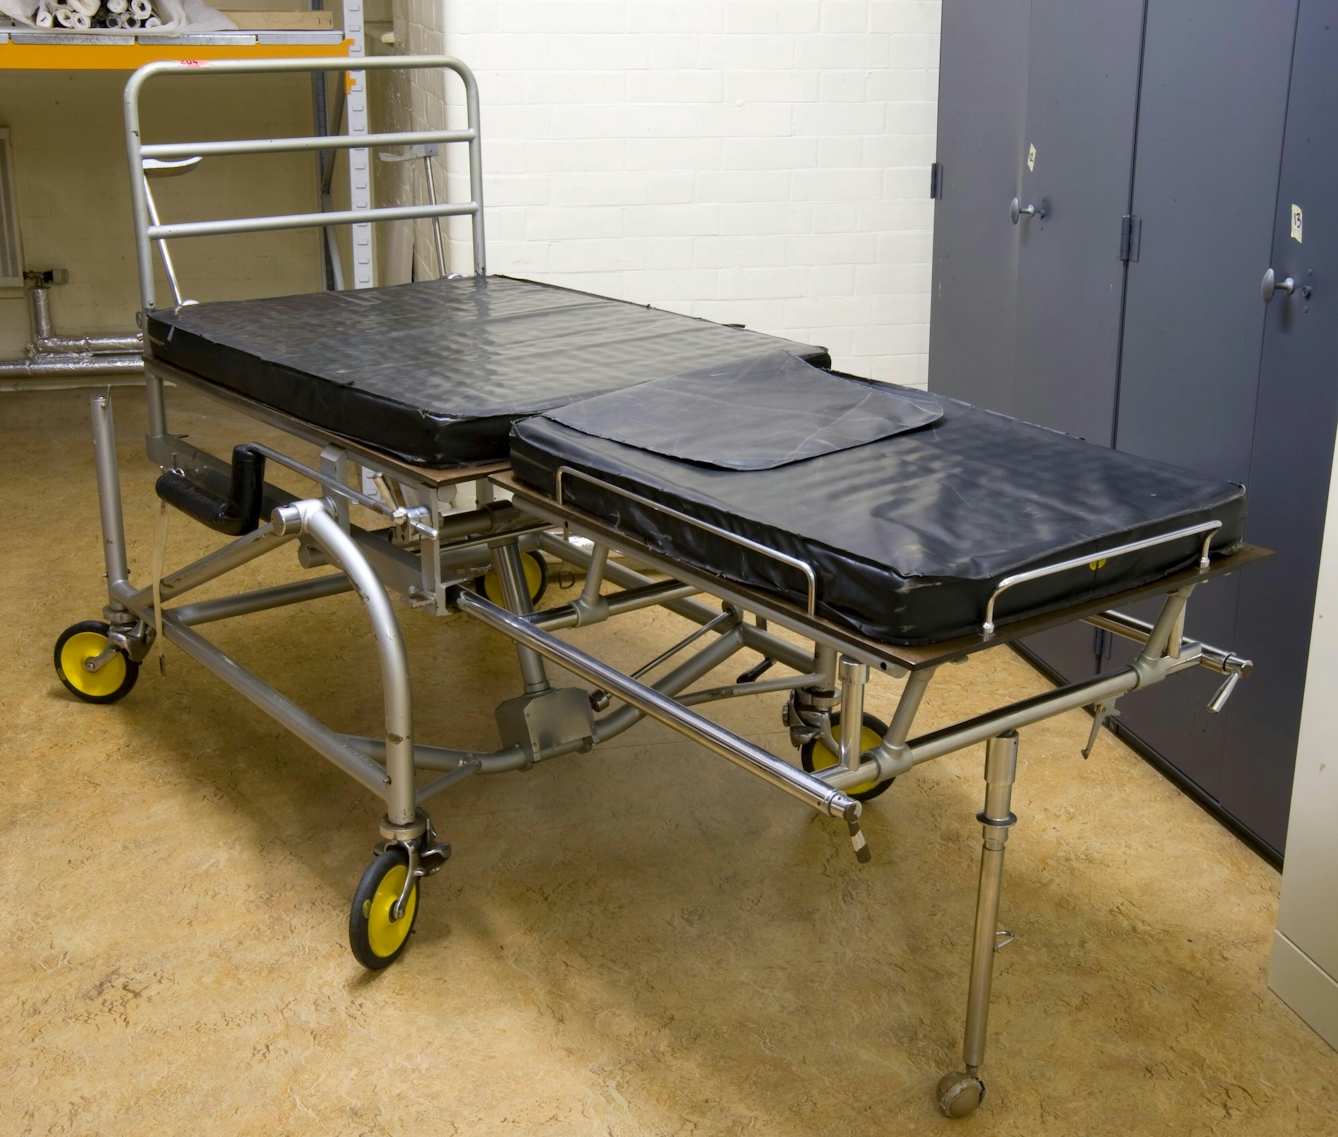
x: 25, y: 49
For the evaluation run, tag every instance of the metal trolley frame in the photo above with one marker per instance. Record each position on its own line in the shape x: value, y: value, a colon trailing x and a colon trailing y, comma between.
x: 429, y: 555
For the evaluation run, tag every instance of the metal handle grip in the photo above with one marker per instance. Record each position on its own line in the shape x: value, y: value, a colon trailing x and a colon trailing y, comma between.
x: 1271, y: 284
x: 1206, y: 530
x: 1017, y: 210
x: 234, y: 515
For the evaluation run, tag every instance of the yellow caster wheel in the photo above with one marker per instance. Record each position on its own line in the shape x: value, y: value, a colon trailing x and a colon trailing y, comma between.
x: 82, y: 642
x: 815, y: 756
x: 536, y: 577
x: 376, y: 938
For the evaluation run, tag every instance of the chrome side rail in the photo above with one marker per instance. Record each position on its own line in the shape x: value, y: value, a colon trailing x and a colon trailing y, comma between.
x: 141, y: 155
x: 754, y: 546
x: 1208, y: 528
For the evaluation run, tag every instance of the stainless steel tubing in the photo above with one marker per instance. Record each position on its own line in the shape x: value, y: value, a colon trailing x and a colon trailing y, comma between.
x: 664, y: 709
x: 516, y: 591
x: 616, y: 603
x: 1140, y: 631
x: 502, y: 761
x: 315, y: 519
x: 996, y: 819
x: 274, y: 222
x: 782, y: 651
x: 672, y: 682
x: 758, y: 687
x: 446, y: 781
x: 854, y: 675
x: 891, y: 757
x: 316, y: 734
x: 109, y: 497
x: 64, y: 366
x: 261, y: 600
x: 289, y: 145
x: 147, y: 232
x: 220, y: 561
x: 1021, y: 714
x: 444, y: 758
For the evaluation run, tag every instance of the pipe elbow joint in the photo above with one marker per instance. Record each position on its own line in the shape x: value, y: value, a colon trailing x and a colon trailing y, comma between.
x: 893, y: 760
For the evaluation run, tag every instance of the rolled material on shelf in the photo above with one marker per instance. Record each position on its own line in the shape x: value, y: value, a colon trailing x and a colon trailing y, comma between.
x: 159, y: 16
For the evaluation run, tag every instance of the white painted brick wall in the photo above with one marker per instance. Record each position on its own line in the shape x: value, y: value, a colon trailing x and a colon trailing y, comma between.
x: 752, y: 161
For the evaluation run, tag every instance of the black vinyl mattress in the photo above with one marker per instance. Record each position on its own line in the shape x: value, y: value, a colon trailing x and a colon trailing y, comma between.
x: 908, y: 534
x: 435, y: 372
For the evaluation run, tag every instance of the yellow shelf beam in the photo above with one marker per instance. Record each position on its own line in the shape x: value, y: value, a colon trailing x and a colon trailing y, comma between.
x: 129, y: 56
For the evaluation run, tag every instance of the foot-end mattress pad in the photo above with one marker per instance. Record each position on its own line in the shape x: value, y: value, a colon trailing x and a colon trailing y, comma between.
x: 435, y: 372
x: 908, y: 528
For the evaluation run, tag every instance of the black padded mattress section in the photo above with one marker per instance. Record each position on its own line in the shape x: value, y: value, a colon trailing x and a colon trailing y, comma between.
x: 908, y: 535
x: 435, y: 372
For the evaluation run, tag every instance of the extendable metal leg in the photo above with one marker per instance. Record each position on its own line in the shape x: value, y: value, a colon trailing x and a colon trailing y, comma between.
x: 960, y: 1093
x: 515, y: 590
x: 854, y: 675
x: 109, y: 498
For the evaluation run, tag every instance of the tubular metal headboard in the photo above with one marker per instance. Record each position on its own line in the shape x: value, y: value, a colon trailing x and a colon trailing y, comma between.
x: 141, y: 155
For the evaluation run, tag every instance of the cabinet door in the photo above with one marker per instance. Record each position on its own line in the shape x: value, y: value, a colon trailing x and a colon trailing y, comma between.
x: 982, y: 100
x: 1082, y: 91
x: 1077, y: 151
x: 1293, y: 438
x: 1212, y: 107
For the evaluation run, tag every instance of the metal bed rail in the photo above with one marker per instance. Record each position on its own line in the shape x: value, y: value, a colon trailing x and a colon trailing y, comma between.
x: 144, y: 156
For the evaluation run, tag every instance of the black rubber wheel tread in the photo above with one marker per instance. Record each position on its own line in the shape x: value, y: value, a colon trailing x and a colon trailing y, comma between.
x: 357, y: 922
x: 101, y: 628
x: 806, y: 754
x: 538, y: 559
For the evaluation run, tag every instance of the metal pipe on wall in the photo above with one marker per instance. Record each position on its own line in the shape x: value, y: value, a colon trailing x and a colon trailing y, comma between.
x: 61, y: 357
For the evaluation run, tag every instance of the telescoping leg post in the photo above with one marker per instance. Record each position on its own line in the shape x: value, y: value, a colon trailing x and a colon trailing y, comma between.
x: 959, y: 1093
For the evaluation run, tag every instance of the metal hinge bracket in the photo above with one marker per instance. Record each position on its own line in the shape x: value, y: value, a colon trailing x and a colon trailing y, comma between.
x: 1131, y: 236
x: 935, y: 180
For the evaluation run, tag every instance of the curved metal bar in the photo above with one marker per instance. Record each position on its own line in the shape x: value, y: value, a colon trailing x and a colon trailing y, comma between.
x: 317, y: 521
x: 1208, y: 528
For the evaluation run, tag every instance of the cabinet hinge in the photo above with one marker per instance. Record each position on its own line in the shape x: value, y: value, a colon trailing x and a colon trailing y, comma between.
x: 935, y: 180
x: 1131, y: 236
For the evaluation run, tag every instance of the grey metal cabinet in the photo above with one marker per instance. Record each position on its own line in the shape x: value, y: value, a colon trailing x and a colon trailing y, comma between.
x: 1082, y: 93
x: 1138, y: 319
x: 981, y: 110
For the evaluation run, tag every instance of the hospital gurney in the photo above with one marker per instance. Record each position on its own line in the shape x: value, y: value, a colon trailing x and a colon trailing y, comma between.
x: 894, y: 531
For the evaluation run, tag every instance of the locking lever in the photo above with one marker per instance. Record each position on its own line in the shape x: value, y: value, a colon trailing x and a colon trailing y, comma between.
x: 1236, y: 669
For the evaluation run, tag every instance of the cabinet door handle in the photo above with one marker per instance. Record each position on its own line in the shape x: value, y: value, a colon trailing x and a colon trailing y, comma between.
x: 1272, y: 284
x: 1017, y: 210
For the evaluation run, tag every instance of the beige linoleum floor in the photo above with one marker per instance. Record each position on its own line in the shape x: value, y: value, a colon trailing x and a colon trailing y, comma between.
x: 639, y: 940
